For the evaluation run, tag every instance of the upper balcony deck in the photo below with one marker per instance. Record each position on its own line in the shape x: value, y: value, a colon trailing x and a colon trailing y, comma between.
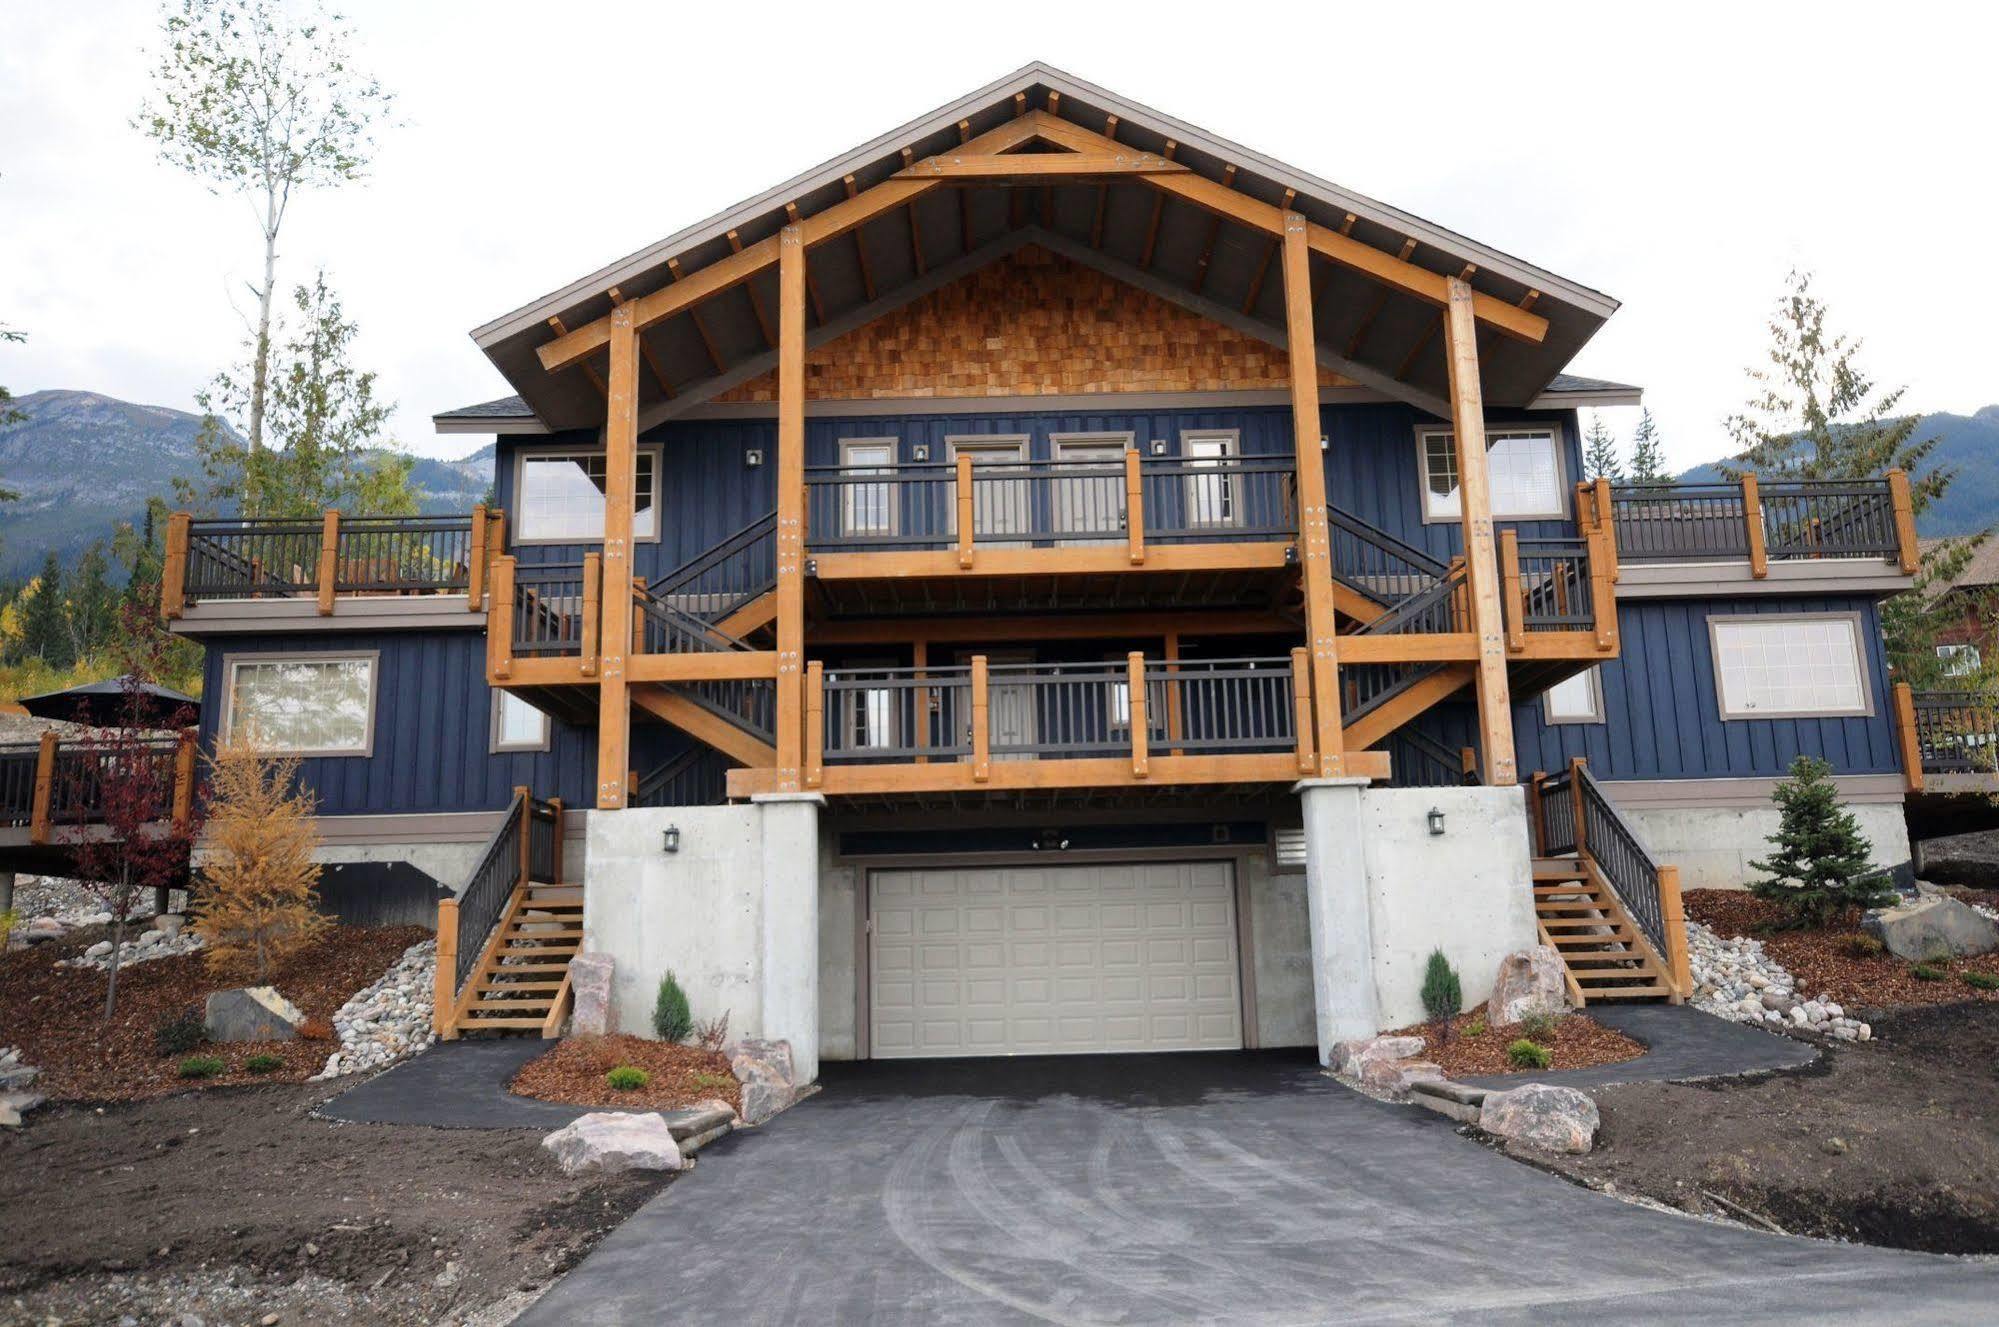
x: 1800, y: 529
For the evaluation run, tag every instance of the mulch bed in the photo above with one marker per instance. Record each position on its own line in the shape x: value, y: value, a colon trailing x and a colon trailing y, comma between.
x: 56, y: 1015
x: 573, y: 1073
x: 1820, y: 962
x: 1578, y: 1042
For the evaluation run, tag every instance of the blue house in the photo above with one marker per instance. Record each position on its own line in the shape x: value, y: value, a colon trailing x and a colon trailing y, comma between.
x: 1055, y: 580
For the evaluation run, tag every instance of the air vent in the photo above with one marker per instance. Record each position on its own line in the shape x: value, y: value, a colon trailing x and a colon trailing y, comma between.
x: 1288, y: 847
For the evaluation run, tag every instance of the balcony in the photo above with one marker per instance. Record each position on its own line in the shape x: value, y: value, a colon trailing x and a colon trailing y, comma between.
x: 1949, y: 740
x: 53, y: 791
x: 1764, y: 522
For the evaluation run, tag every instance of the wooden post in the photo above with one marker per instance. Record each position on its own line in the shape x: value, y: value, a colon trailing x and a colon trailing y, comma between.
x: 496, y: 534
x: 45, y: 784
x: 173, y: 575
x: 500, y: 623
x: 555, y: 806
x: 329, y: 560
x: 982, y: 755
x: 444, y: 987
x: 621, y: 443
x: 526, y: 837
x: 1606, y: 525
x: 1515, y: 600
x: 1907, y: 738
x: 592, y: 629
x: 1175, y: 702
x: 1495, y: 705
x: 919, y: 656
x: 1134, y: 664
x: 475, y: 564
x: 1752, y: 520
x: 1673, y: 915
x: 1576, y: 802
x: 790, y: 505
x: 815, y: 724
x: 1301, y: 708
x: 964, y: 497
x: 1321, y: 628
x: 1909, y: 553
x: 1534, y: 813
x: 183, y: 798
x: 1468, y: 764
x: 1134, y: 507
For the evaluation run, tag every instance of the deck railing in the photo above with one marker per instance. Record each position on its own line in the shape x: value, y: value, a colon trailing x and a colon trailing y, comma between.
x: 525, y: 848
x: 51, y: 783
x: 552, y: 607
x: 956, y: 504
x: 1946, y: 732
x: 722, y: 579
x: 1766, y: 520
x: 328, y: 557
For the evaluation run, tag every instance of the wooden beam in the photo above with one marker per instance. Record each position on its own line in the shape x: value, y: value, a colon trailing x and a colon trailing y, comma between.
x: 1104, y: 191
x: 960, y: 776
x: 39, y: 814
x: 815, y: 724
x: 1263, y: 268
x: 1192, y: 624
x: 1907, y: 740
x: 915, y: 231
x: 705, y: 727
x: 1374, y: 309
x: 591, y: 644
x: 1481, y: 556
x: 811, y: 281
x: 444, y: 983
x: 645, y: 349
x: 500, y: 624
x: 1134, y: 507
x: 621, y: 449
x: 861, y: 249
x: 1214, y: 230
x: 1314, y: 538
x: 173, y: 574
x: 1409, y: 647
x: 1512, y: 600
x: 1088, y: 559
x: 589, y: 370
x: 964, y: 199
x: 981, y: 699
x: 1134, y: 664
x: 1752, y: 522
x: 1037, y: 165
x: 1378, y: 723
x: 1908, y: 553
x: 756, y: 299
x: 793, y: 275
x: 1301, y: 711
x: 1158, y: 208
x: 329, y: 561
x: 1416, y: 351
x: 708, y: 666
x: 700, y: 323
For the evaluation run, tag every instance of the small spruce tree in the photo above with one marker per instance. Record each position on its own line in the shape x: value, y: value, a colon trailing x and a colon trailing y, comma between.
x: 1648, y: 456
x: 1443, y: 996
x: 1819, y: 868
x: 672, y: 1020
x: 1600, y: 459
x: 258, y: 903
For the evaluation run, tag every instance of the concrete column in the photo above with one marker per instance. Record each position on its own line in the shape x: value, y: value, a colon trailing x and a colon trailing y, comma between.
x: 1336, y: 900
x: 6, y: 891
x: 791, y: 925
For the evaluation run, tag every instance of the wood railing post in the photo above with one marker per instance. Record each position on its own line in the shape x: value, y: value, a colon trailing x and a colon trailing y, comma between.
x: 526, y: 858
x: 1752, y: 518
x: 496, y: 534
x: 815, y: 724
x: 1603, y: 590
x: 1907, y: 738
x: 183, y: 792
x: 45, y: 783
x: 1605, y: 509
x: 444, y: 987
x: 475, y: 561
x: 593, y: 610
x: 919, y: 656
x: 982, y: 754
x: 1535, y: 812
x: 1516, y: 598
x: 1576, y: 803
x: 329, y: 560
x: 173, y: 575
x: 965, y: 538
x: 1468, y: 764
x: 1134, y: 507
x: 500, y: 623
x: 1301, y: 709
x: 555, y: 808
x: 1673, y: 914
x: 1134, y: 664
x: 1909, y: 554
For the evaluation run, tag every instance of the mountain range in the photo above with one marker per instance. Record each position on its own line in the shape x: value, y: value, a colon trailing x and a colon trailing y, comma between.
x: 83, y: 462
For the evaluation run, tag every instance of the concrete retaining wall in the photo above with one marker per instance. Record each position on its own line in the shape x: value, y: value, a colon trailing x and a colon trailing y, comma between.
x: 1713, y: 845
x: 1280, y: 937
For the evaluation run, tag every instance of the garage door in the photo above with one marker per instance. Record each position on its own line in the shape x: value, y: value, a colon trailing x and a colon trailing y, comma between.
x: 1041, y: 960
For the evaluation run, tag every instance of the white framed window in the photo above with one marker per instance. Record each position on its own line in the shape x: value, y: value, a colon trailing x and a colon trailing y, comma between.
x: 559, y: 496
x: 1523, y: 470
x: 867, y: 509
x: 1959, y: 660
x: 1805, y: 665
x: 301, y: 704
x: 1578, y: 699
x: 1213, y: 500
x: 517, y: 725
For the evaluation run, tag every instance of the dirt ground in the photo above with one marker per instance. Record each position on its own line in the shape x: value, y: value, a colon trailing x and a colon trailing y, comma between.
x: 1475, y: 1050
x: 679, y: 1076
x: 234, y: 1204
x: 1892, y: 1142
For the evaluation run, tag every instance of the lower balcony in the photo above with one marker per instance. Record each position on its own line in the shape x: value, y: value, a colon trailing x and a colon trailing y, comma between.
x: 1949, y: 740
x: 55, y: 793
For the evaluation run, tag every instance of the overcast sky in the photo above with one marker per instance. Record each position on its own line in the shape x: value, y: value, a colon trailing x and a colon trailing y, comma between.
x: 1682, y: 165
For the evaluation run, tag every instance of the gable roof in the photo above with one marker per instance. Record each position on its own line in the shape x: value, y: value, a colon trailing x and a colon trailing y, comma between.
x: 1365, y: 330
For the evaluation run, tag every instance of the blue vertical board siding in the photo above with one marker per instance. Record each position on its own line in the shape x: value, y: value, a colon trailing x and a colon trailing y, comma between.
x: 709, y: 490
x: 1663, y: 715
x: 432, y: 730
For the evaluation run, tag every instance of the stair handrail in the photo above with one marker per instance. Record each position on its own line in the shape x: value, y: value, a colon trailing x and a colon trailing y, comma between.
x: 465, y: 921
x: 695, y: 764
x: 678, y: 623
x: 1457, y: 767
x: 1577, y: 816
x: 1422, y: 608
x: 764, y: 527
x: 1373, y: 534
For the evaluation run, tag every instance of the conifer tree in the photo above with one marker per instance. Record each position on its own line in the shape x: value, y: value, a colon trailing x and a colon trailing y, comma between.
x: 1648, y: 460
x: 1820, y: 867
x: 45, y: 621
x: 1443, y: 996
x: 1600, y: 460
x: 259, y: 899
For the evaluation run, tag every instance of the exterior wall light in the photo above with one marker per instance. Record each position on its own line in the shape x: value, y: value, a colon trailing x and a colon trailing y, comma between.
x: 1436, y: 819
x: 672, y: 843
x: 920, y: 452
x: 754, y: 457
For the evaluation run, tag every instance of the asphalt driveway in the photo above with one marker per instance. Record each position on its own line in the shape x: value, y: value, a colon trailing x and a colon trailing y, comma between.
x: 1185, y: 1188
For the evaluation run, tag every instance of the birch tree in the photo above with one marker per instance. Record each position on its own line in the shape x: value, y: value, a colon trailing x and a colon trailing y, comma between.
x: 262, y: 105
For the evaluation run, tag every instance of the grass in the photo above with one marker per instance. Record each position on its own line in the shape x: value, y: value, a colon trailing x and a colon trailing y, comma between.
x: 201, y: 1066
x: 1928, y: 972
x: 263, y: 1063
x: 713, y: 1082
x: 1525, y: 1054
x: 1981, y: 981
x: 627, y: 1078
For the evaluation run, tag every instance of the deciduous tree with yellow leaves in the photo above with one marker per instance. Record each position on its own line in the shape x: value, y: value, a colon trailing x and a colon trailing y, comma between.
x: 259, y: 894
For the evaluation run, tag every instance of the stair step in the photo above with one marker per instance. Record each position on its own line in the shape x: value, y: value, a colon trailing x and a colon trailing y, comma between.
x: 494, y: 983
x: 1600, y: 958
x: 542, y: 1006
x: 1564, y: 943
x: 1578, y: 923
x: 1558, y: 869
x: 556, y: 893
x: 1639, y: 968
x: 482, y: 1024
x: 544, y: 931
x: 520, y: 969
x: 1652, y: 990
x: 1547, y: 906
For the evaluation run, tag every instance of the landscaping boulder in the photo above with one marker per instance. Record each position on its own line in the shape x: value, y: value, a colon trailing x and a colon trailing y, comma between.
x: 13, y: 1105
x: 1551, y: 1119
x: 252, y: 1013
x: 1394, y: 1078
x: 1932, y: 927
x: 1351, y: 1057
x: 606, y: 1142
x: 764, y: 1069
x: 1961, y: 859
x: 1530, y: 981
x: 40, y: 929
x: 169, y: 924
x: 592, y: 1013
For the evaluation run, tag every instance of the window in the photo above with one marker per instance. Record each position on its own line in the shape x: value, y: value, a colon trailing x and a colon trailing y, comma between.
x: 1212, y: 499
x: 1793, y: 666
x: 1523, y: 466
x: 867, y: 509
x: 1958, y: 660
x: 560, y: 497
x: 1576, y: 700
x: 322, y: 705
x: 517, y: 725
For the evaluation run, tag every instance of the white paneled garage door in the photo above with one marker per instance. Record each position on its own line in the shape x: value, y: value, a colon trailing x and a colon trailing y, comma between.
x: 1041, y: 960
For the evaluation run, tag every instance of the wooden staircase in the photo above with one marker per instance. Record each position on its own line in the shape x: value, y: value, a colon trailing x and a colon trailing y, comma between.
x: 527, y: 924
x: 1603, y: 953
